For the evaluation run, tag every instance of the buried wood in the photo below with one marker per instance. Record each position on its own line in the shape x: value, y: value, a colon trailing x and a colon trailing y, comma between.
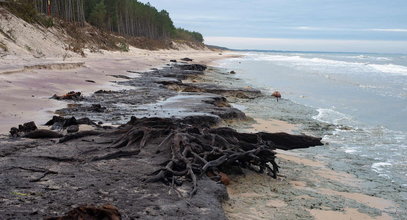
x: 196, y: 150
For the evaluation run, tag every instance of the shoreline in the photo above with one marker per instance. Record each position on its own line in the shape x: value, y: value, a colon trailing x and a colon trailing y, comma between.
x: 328, y: 193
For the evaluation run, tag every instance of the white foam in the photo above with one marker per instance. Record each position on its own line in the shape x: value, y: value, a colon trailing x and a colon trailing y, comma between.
x: 378, y: 167
x: 390, y: 68
x: 383, y: 58
x: 332, y: 117
x: 350, y: 150
x: 330, y: 65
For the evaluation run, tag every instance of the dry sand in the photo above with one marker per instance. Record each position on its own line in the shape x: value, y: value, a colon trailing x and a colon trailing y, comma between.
x: 26, y: 84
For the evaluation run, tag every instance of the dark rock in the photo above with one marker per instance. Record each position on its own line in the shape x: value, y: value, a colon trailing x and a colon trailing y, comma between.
x: 186, y: 59
x: 243, y: 93
x: 23, y: 129
x: 232, y: 72
x: 85, y: 121
x: 91, y: 81
x: 97, y: 108
x: 54, y: 120
x: 59, y: 123
x: 173, y: 61
x: 14, y: 132
x: 198, y: 67
x: 121, y: 76
x: 27, y: 127
x: 202, y: 120
x: 70, y: 121
x: 104, y: 91
x: 73, y: 129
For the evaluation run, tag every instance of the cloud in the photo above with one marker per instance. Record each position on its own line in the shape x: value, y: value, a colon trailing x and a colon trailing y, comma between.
x: 388, y: 29
x: 309, y: 28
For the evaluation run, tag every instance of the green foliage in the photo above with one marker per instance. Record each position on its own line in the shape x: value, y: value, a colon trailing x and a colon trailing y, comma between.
x: 97, y: 16
x: 126, y: 17
x: 124, y: 47
x: 183, y: 34
x: 130, y: 17
x: 45, y: 21
x: 28, y: 48
x: 24, y: 9
x: 3, y: 46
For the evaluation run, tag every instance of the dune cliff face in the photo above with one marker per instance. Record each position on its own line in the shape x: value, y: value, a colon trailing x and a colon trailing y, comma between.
x: 20, y: 38
x: 62, y: 39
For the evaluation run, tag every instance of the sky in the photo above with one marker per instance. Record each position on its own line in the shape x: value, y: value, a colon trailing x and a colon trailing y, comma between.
x: 317, y: 25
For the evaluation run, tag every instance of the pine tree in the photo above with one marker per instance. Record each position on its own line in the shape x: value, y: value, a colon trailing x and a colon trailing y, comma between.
x: 98, y: 15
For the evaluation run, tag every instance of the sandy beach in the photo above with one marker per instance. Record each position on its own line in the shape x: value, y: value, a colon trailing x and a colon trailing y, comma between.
x: 26, y: 84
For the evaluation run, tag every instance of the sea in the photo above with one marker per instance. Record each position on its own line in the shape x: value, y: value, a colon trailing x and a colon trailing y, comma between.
x: 358, y: 103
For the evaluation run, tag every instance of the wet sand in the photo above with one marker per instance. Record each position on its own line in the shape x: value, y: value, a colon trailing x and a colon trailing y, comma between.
x: 272, y: 126
x: 306, y: 189
x: 25, y: 87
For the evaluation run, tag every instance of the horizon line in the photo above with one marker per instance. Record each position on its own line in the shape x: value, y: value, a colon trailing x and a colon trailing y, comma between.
x: 306, y: 51
x: 310, y: 45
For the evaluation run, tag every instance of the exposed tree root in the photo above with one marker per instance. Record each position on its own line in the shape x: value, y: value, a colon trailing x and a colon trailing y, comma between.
x: 117, y: 155
x: 196, y: 150
x: 78, y: 135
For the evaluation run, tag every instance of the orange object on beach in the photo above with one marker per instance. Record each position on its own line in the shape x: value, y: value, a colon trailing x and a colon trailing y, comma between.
x: 276, y: 94
x: 224, y: 179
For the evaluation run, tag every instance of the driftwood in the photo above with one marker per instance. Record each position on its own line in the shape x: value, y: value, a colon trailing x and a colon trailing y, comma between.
x: 72, y: 95
x: 196, y: 150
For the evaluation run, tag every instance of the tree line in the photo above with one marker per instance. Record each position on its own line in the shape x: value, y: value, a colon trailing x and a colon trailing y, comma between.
x: 126, y: 17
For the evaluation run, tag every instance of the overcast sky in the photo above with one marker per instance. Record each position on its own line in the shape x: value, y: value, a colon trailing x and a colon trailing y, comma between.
x: 380, y: 25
